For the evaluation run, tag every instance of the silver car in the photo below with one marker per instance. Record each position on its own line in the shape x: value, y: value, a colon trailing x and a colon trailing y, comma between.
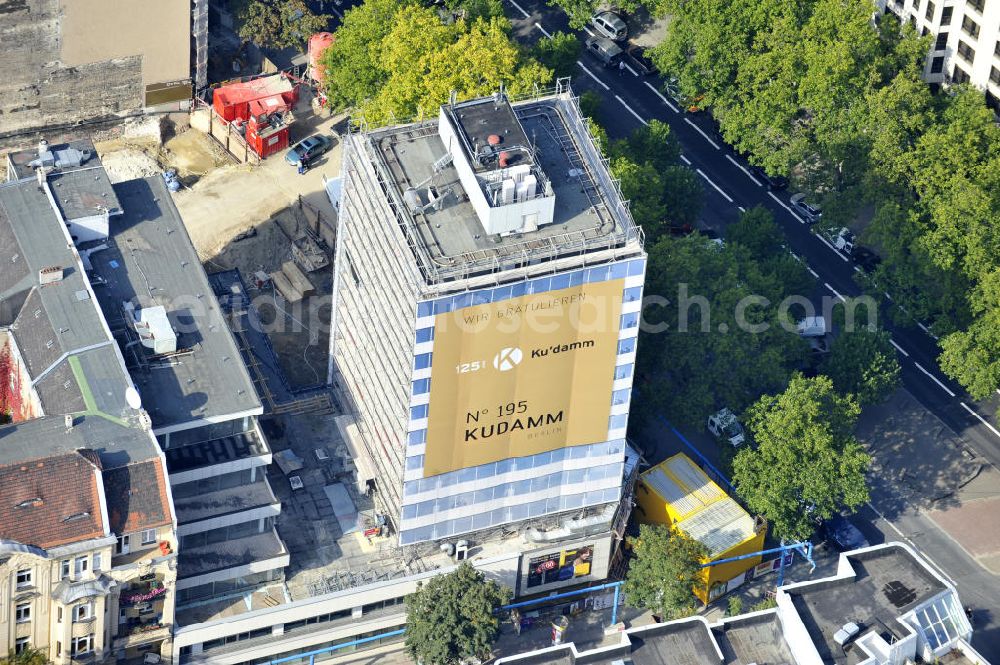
x: 610, y: 25
x: 810, y: 213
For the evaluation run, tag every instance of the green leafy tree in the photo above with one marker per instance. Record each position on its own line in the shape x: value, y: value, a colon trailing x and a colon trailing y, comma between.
x: 26, y: 657
x: 972, y: 356
x: 863, y: 363
x: 713, y: 344
x: 278, y: 23
x: 653, y: 144
x: 470, y: 10
x: 590, y: 103
x: 806, y: 464
x: 559, y: 53
x: 478, y: 60
x: 352, y: 73
x: 642, y: 187
x: 666, y: 568
x: 683, y: 195
x: 758, y: 232
x: 453, y: 618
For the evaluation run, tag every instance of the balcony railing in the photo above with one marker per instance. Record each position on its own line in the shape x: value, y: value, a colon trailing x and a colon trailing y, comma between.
x: 142, y: 634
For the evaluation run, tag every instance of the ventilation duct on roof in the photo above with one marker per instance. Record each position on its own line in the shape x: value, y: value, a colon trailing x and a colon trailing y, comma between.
x: 153, y: 328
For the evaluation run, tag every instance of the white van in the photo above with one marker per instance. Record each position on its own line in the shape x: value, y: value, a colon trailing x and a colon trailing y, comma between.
x: 610, y: 25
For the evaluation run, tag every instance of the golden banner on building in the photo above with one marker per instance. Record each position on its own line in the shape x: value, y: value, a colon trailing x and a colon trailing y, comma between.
x: 522, y: 376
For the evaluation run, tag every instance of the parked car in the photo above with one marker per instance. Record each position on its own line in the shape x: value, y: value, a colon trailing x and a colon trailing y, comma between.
x: 604, y: 50
x: 610, y: 25
x: 810, y: 213
x: 841, y: 238
x: 774, y: 182
x: 636, y: 57
x: 843, y: 535
x: 308, y: 149
x: 865, y: 258
x: 725, y: 426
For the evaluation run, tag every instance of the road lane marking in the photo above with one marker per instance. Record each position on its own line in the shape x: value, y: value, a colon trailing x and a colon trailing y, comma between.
x: 785, y: 206
x: 926, y: 330
x: 544, y: 31
x: 742, y: 209
x: 827, y: 285
x: 591, y: 75
x: 717, y: 188
x: 685, y: 160
x: 520, y: 9
x: 812, y: 272
x: 981, y: 419
x: 887, y: 295
x: 588, y: 31
x: 744, y: 169
x: 899, y: 533
x: 700, y: 131
x: 898, y: 347
x: 634, y: 73
x: 631, y: 110
x: 857, y: 269
x: 660, y: 95
x: 934, y: 379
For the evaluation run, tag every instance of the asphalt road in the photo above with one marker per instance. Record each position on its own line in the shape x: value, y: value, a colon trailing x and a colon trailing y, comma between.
x: 629, y: 101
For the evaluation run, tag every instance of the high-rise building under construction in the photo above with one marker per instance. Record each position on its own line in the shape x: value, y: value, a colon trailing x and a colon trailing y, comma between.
x: 486, y: 305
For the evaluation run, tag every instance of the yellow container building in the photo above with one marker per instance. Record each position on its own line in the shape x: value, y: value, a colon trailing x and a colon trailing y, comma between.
x: 677, y: 492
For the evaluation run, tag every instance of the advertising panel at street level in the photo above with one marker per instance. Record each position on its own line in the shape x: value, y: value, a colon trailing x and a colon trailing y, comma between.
x: 522, y: 376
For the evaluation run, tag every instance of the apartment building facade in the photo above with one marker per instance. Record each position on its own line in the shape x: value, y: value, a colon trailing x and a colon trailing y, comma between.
x: 966, y: 40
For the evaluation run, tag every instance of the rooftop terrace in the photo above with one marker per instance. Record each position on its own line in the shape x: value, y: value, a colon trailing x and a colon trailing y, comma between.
x: 888, y: 584
x: 449, y: 240
x: 149, y: 260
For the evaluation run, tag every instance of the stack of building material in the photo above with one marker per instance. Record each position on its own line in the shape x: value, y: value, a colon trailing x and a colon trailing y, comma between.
x: 291, y: 282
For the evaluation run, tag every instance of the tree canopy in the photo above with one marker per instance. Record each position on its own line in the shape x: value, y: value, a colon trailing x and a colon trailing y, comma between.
x: 278, y: 23
x: 722, y: 339
x: 453, y: 618
x: 662, y: 194
x: 394, y: 60
x: 863, y: 363
x: 666, y: 568
x: 559, y: 53
x: 806, y: 463
x: 817, y: 90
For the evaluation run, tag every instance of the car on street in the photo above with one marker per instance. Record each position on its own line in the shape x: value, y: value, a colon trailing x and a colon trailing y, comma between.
x: 726, y: 427
x: 843, y: 535
x: 810, y: 213
x: 637, y: 59
x: 774, y: 182
x: 308, y: 149
x: 865, y: 258
x: 605, y: 50
x: 841, y: 238
x: 610, y: 25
